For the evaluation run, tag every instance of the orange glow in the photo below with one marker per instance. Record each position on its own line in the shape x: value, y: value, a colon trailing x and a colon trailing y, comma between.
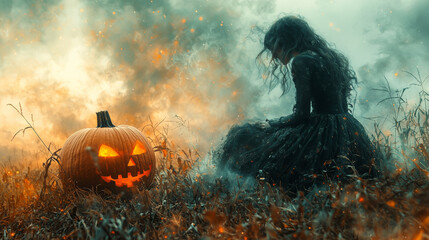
x: 391, y: 203
x: 192, y: 30
x: 361, y: 199
x: 201, y: 18
x: 419, y: 235
x: 396, y: 74
x: 106, y: 151
x: 158, y: 54
x: 426, y: 221
x: 128, y: 181
x: 113, y: 13
x: 139, y: 149
x: 221, y: 230
x: 387, y: 132
x: 183, y: 20
x: 131, y: 163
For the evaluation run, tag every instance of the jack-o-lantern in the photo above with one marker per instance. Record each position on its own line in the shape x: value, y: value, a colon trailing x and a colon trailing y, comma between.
x: 109, y: 156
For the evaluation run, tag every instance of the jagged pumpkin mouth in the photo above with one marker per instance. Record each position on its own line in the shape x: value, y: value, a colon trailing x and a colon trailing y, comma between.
x: 129, y: 180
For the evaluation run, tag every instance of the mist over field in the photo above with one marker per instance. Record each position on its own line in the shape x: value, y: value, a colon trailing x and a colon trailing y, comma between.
x: 190, y: 64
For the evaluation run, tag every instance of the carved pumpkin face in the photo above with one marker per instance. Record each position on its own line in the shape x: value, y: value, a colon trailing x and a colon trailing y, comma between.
x: 120, y: 156
x: 107, y: 155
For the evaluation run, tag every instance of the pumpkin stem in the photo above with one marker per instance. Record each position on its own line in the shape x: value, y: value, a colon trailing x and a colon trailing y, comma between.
x: 103, y: 120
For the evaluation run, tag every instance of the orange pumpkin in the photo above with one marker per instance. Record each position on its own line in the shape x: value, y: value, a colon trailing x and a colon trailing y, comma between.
x: 109, y: 156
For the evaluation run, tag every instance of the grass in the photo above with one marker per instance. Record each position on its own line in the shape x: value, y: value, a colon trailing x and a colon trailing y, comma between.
x: 188, y: 203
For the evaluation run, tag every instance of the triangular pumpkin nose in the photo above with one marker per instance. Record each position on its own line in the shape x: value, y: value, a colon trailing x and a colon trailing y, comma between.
x: 131, y: 163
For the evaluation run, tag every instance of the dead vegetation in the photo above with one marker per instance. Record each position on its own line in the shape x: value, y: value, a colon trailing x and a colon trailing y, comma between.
x: 185, y: 203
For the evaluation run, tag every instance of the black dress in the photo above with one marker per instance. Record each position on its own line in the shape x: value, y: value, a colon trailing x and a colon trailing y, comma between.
x: 304, y: 148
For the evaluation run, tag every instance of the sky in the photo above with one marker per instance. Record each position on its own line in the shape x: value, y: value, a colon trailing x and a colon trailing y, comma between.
x: 188, y: 63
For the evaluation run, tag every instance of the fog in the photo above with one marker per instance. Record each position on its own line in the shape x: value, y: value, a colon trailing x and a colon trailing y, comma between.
x: 188, y: 63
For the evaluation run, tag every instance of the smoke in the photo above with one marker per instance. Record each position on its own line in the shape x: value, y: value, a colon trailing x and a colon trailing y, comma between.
x: 170, y: 59
x: 401, y: 37
x: 177, y: 60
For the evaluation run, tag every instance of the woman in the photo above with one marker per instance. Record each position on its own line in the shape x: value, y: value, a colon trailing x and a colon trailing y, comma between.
x: 304, y: 148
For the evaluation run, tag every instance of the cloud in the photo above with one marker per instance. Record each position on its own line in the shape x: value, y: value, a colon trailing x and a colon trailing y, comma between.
x: 177, y: 60
x: 401, y: 36
x: 65, y: 60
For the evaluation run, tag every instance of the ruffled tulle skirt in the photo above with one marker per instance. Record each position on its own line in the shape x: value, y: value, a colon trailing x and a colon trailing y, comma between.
x: 327, y: 148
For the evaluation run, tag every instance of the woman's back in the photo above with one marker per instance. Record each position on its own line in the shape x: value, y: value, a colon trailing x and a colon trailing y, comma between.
x: 327, y: 94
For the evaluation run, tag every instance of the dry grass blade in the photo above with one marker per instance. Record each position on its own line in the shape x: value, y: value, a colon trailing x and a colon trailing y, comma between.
x: 29, y: 126
x: 54, y: 157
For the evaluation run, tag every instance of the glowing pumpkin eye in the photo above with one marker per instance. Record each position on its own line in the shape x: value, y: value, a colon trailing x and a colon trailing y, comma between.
x: 106, y: 151
x: 139, y: 148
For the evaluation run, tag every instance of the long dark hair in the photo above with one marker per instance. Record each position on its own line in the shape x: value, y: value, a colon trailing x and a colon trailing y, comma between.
x: 293, y: 34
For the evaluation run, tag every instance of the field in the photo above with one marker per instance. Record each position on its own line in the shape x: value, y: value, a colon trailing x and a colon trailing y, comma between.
x: 189, y: 200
